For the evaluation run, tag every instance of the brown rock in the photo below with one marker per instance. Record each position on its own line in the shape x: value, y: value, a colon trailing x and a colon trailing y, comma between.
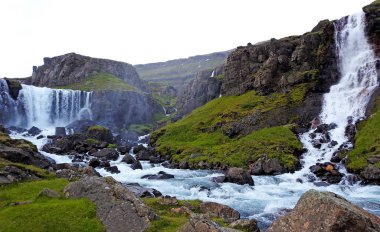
x: 326, y: 211
x: 249, y: 225
x: 202, y: 223
x: 238, y: 176
x: 221, y: 211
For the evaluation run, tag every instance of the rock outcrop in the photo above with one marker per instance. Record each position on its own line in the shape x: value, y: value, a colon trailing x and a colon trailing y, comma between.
x: 199, y: 222
x: 73, y: 68
x: 116, y: 207
x: 205, y: 87
x: 326, y: 211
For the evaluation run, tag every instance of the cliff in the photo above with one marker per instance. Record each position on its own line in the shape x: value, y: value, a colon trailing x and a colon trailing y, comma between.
x: 73, y: 68
x: 204, y: 88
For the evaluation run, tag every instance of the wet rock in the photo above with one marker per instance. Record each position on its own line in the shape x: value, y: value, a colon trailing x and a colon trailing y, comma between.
x: 267, y: 166
x: 238, y: 176
x: 183, y: 165
x: 249, y: 225
x: 112, y: 169
x: 220, y: 211
x: 136, y: 165
x: 80, y: 126
x: 333, y: 143
x: 138, y: 148
x: 145, y: 154
x: 350, y: 132
x: 327, y: 172
x: 328, y: 212
x: 316, y: 143
x: 46, y: 192
x: 40, y: 137
x: 371, y: 174
x: 108, y: 153
x: 322, y: 128
x: 142, y: 192
x: 123, y: 149
x: 352, y: 179
x: 100, y: 133
x: 116, y: 206
x: 94, y: 163
x: 60, y: 131
x: 161, y: 175
x: 218, y: 179
x: 33, y: 131
x: 321, y: 184
x: 129, y: 159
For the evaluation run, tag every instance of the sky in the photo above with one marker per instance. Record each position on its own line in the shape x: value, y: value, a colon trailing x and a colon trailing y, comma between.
x: 145, y: 31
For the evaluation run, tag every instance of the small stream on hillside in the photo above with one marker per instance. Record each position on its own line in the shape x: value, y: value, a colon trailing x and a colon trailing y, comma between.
x: 272, y: 195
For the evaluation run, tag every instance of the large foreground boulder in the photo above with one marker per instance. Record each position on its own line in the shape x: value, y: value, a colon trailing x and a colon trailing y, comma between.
x: 202, y: 223
x: 326, y: 211
x: 116, y: 207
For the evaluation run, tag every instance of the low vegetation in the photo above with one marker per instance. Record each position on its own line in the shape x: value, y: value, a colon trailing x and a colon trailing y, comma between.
x: 170, y: 221
x: 23, y: 209
x: 201, y: 136
x: 100, y: 81
x: 367, y: 142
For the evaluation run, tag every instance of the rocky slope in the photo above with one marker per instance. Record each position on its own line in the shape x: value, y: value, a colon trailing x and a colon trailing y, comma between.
x: 73, y: 68
x: 180, y: 71
x: 204, y: 88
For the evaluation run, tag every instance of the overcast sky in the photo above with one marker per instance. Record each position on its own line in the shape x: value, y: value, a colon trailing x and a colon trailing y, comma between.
x: 145, y: 31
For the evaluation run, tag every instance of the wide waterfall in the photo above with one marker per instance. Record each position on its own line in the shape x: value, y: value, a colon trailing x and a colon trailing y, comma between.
x: 43, y: 107
x: 347, y: 100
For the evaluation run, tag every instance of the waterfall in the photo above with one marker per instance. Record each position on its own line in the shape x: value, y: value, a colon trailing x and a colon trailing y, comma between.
x: 346, y: 102
x: 43, y: 107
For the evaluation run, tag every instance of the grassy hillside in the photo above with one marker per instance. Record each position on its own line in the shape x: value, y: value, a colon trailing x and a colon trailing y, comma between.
x: 201, y: 136
x: 177, y: 72
x: 100, y: 81
x: 367, y: 143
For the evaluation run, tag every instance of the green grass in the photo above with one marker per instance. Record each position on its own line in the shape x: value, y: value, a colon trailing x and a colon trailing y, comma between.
x: 169, y: 222
x: 141, y: 129
x: 112, y: 145
x: 201, y: 133
x: 96, y: 128
x: 100, y: 81
x: 367, y: 142
x: 42, y: 213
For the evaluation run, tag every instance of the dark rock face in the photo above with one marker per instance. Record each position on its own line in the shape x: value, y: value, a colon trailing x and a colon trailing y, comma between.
x: 249, y: 225
x: 14, y: 87
x: 108, y: 153
x: 142, y: 192
x: 116, y: 206
x: 371, y: 174
x: 33, y: 131
x: 72, y: 68
x: 119, y: 109
x: 200, y: 90
x: 80, y: 126
x: 60, y: 131
x: 220, y: 211
x: 373, y: 25
x: 238, y: 176
x: 277, y: 65
x: 326, y: 211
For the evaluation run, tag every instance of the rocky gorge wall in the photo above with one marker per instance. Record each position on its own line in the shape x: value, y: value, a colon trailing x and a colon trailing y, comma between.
x: 73, y: 68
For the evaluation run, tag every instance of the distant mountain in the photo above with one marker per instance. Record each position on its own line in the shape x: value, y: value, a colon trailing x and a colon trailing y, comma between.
x: 180, y: 71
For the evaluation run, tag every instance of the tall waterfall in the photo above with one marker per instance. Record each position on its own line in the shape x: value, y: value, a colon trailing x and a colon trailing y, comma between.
x: 43, y: 107
x: 347, y: 100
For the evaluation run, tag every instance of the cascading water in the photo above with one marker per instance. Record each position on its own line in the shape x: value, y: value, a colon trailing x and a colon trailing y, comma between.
x: 44, y: 107
x: 346, y: 102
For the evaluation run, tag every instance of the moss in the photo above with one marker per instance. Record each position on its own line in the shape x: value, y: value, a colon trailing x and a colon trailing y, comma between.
x: 367, y: 142
x: 111, y: 145
x: 168, y: 221
x: 45, y: 214
x: 17, y: 143
x: 219, y: 77
x: 377, y: 2
x: 96, y: 128
x: 201, y: 132
x: 100, y: 81
x: 43, y: 173
x: 298, y: 93
x: 92, y: 141
x: 141, y: 129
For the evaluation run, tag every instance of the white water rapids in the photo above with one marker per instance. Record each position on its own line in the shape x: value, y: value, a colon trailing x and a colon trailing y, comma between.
x: 272, y: 195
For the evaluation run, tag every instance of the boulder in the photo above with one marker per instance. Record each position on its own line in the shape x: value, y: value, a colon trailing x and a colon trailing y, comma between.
x: 249, y: 225
x: 129, y: 159
x: 50, y: 193
x: 10, y: 174
x: 371, y: 174
x: 161, y: 175
x: 94, y: 162
x: 107, y: 153
x: 74, y: 173
x: 117, y: 207
x: 145, y: 154
x: 142, y: 192
x: 33, y: 131
x: 112, y: 169
x: 123, y: 149
x: 327, y: 212
x: 80, y: 126
x: 238, y: 176
x: 100, y: 133
x: 268, y: 166
x: 220, y: 211
x: 327, y: 172
x: 202, y: 223
x: 24, y: 155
